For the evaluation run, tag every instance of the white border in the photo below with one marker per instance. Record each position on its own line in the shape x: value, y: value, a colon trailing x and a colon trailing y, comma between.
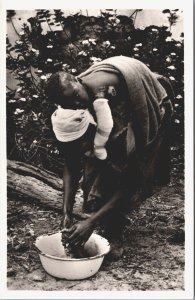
x: 187, y: 7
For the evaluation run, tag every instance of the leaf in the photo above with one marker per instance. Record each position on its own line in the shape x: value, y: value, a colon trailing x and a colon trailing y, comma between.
x: 166, y: 11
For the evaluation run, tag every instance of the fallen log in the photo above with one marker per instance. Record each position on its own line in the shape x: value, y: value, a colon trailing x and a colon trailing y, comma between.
x: 34, y: 185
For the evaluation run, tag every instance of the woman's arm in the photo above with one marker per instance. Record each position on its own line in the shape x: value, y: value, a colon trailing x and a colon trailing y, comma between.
x: 82, y: 230
x: 71, y: 176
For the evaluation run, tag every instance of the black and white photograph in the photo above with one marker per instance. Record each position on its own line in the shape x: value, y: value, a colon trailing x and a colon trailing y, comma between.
x: 96, y: 150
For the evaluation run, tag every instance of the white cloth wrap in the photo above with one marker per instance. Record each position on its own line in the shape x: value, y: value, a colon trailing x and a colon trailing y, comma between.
x: 69, y: 125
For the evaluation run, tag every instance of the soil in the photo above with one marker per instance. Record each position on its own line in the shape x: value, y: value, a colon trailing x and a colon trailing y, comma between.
x: 153, y: 243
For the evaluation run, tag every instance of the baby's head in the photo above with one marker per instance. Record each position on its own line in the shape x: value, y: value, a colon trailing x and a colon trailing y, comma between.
x: 66, y: 90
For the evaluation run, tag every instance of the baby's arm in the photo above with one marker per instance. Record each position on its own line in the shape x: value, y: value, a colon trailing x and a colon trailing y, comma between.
x: 104, y: 127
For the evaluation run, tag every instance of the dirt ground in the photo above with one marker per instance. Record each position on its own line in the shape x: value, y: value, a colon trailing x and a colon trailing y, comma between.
x: 153, y: 244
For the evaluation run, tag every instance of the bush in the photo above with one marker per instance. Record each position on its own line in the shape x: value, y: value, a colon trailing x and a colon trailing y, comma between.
x: 72, y: 44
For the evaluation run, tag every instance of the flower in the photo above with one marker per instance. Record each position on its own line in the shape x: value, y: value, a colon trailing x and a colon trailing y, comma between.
x: 95, y: 59
x: 113, y: 47
x: 177, y: 121
x: 172, y: 78
x: 35, y: 142
x: 35, y: 51
x: 129, y: 38
x: 49, y: 60
x: 21, y: 32
x: 43, y: 77
x: 178, y: 45
x: 35, y: 96
x: 39, y: 71
x: 114, y: 20
x: 12, y: 101
x: 84, y: 53
x: 179, y: 97
x: 18, y: 111
x: 176, y: 105
x: 19, y: 42
x: 168, y: 39
x: 168, y: 59
x: 155, y: 49
x: 85, y: 42
x: 49, y: 46
x: 22, y: 99
x: 73, y: 70
x: 154, y: 29
x: 173, y: 54
x: 138, y: 45
x: 92, y: 41
x: 106, y: 44
x: 136, y: 49
x: 171, y: 67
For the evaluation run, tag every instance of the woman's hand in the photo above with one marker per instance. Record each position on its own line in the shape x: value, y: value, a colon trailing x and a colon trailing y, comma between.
x: 80, y: 232
x: 67, y: 222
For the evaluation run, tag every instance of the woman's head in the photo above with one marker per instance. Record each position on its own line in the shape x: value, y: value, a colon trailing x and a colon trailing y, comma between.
x: 66, y: 90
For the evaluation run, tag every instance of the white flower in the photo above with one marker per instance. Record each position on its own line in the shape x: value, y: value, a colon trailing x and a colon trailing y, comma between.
x: 178, y: 45
x: 129, y: 38
x: 64, y: 65
x: 35, y: 142
x: 39, y: 71
x: 171, y: 68
x: 12, y: 101
x: 155, y: 49
x: 49, y: 46
x: 172, y: 78
x: 18, y: 111
x: 21, y: 32
x: 114, y: 20
x: 92, y: 41
x: 173, y: 54
x: 19, y: 42
x: 168, y: 59
x: 138, y: 45
x: 22, y: 99
x: 136, y: 54
x: 136, y: 49
x: 43, y: 77
x: 35, y: 96
x: 176, y: 105
x: 168, y: 39
x: 113, y: 47
x: 84, y: 53
x: 95, y: 59
x: 73, y: 70
x: 85, y: 42
x: 177, y: 121
x: 19, y: 89
x: 179, y: 97
x: 49, y: 60
x: 154, y: 29
x: 106, y: 44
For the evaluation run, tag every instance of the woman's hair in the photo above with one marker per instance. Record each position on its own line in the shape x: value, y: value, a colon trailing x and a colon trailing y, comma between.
x: 53, y: 87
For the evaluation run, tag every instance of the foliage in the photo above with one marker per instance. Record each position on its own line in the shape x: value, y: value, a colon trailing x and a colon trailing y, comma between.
x: 73, y: 43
